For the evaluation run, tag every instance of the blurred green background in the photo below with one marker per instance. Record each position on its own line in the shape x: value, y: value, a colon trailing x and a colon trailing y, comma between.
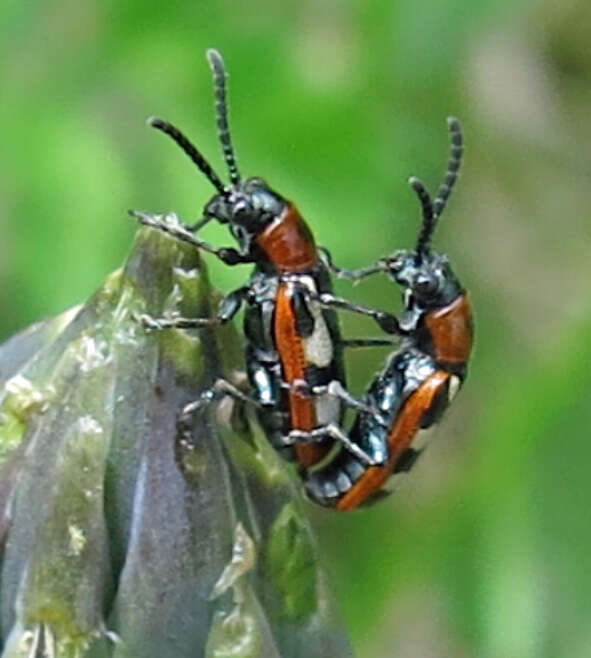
x: 485, y: 549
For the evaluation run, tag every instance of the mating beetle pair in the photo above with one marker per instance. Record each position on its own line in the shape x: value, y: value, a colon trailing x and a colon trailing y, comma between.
x: 294, y: 349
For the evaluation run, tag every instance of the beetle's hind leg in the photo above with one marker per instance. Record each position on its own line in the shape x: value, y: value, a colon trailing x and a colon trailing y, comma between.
x: 331, y: 431
x: 220, y: 389
x: 337, y: 390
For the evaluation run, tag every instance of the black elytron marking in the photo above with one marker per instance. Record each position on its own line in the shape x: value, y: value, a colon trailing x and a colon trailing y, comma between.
x: 304, y: 319
x: 317, y: 376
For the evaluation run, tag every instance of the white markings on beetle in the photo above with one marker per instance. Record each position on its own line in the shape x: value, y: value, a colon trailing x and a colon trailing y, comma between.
x: 317, y: 347
x: 454, y: 387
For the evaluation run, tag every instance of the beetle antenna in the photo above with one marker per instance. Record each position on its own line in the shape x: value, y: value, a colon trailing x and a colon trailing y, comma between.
x: 453, y: 166
x: 190, y: 150
x: 221, y: 108
x: 429, y: 217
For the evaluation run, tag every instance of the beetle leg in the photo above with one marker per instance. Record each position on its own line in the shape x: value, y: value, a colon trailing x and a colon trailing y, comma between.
x: 157, y: 324
x: 386, y: 321
x: 336, y: 389
x: 229, y: 306
x: 350, y: 275
x: 329, y: 431
x: 171, y: 225
x: 220, y: 389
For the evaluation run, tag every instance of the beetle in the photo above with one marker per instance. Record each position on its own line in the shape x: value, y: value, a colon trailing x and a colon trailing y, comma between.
x: 420, y: 378
x: 291, y: 329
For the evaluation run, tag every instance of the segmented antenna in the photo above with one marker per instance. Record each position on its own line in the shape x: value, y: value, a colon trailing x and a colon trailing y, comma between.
x: 453, y: 166
x: 189, y: 149
x: 221, y: 108
x: 429, y: 217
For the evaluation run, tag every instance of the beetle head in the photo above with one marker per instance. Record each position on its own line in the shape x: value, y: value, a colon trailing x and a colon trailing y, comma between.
x: 428, y: 281
x: 426, y: 275
x: 247, y: 206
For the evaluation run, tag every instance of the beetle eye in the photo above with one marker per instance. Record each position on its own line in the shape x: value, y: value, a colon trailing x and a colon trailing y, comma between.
x: 426, y: 284
x: 241, y: 209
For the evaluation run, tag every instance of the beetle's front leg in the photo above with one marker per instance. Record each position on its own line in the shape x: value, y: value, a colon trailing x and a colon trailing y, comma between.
x: 350, y: 275
x: 171, y: 225
x: 386, y: 321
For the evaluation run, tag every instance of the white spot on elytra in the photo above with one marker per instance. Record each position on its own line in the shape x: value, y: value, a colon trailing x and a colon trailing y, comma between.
x: 454, y: 387
x: 318, y: 346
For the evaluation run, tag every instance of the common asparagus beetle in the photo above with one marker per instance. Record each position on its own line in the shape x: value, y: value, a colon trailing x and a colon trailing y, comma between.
x: 421, y: 377
x: 292, y: 335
